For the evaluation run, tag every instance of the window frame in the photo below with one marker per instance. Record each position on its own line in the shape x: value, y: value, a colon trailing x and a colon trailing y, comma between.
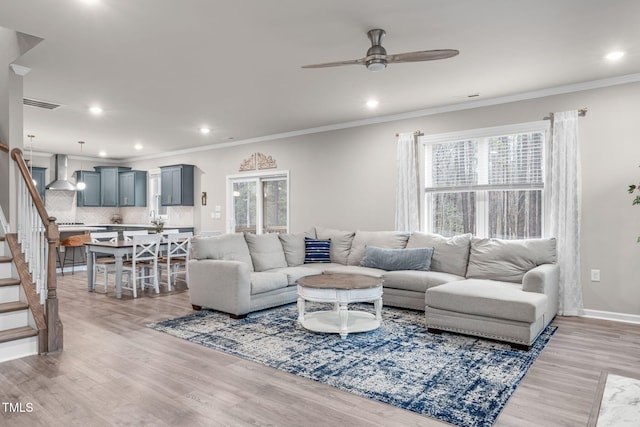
x: 481, y: 194
x: 154, y: 202
x: 259, y: 178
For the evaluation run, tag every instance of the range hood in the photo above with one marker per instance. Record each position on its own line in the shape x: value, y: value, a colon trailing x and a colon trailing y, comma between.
x: 61, y: 182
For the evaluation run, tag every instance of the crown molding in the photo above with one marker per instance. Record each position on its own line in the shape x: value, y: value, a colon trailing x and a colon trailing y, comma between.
x: 542, y: 93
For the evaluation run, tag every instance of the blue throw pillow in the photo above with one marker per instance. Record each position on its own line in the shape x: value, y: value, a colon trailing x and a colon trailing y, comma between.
x: 317, y: 250
x: 397, y: 259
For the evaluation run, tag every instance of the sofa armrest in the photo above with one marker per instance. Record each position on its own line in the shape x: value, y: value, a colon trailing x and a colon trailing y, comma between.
x: 542, y: 279
x: 220, y: 285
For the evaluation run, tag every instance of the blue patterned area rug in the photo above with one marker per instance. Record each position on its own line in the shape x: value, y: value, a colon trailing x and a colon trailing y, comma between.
x: 458, y: 379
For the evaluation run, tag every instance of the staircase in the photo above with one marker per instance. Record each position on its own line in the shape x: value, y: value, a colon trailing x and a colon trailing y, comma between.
x: 18, y: 338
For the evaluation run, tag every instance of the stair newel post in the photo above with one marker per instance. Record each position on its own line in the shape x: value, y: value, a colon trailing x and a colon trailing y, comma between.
x: 54, y: 326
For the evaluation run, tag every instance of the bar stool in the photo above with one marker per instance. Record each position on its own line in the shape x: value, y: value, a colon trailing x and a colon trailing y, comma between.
x: 70, y: 244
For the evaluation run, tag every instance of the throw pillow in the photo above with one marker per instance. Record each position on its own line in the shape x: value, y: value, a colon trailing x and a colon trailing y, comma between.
x: 397, y: 259
x: 381, y: 239
x: 450, y: 254
x: 266, y: 251
x: 508, y: 260
x: 230, y: 247
x: 340, y: 243
x: 293, y: 246
x: 317, y: 250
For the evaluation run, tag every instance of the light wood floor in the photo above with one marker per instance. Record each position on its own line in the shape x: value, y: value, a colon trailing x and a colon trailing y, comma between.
x: 116, y: 371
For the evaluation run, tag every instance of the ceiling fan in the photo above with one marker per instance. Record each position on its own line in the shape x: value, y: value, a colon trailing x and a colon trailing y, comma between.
x: 377, y: 58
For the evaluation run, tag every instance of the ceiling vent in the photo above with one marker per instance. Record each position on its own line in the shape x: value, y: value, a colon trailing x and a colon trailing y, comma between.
x: 40, y: 104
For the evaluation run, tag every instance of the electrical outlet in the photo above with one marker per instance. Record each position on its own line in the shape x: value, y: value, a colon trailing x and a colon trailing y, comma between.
x: 595, y: 275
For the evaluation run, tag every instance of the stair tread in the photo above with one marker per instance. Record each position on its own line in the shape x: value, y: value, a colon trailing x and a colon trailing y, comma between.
x: 17, y: 333
x: 13, y: 306
x: 9, y: 282
x: 5, y: 259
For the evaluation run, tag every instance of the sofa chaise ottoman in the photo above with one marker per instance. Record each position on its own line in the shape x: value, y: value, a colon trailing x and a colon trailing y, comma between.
x: 510, y: 294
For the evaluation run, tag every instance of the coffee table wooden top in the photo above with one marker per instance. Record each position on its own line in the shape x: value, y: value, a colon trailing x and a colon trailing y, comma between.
x: 340, y: 281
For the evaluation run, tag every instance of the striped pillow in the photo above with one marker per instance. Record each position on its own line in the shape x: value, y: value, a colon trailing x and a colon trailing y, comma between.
x: 317, y: 250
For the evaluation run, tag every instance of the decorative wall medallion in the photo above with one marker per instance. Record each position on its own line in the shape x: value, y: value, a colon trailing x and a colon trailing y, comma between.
x: 248, y: 164
x: 265, y: 162
x: 258, y: 161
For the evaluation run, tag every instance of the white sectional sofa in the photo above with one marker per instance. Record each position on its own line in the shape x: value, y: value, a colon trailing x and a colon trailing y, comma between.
x: 498, y: 289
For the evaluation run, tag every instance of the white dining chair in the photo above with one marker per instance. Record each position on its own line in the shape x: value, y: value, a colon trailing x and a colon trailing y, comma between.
x: 143, y: 266
x: 128, y: 235
x: 103, y: 264
x: 177, y: 256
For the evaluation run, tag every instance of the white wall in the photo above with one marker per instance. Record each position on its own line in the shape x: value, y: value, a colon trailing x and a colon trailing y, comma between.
x: 346, y: 179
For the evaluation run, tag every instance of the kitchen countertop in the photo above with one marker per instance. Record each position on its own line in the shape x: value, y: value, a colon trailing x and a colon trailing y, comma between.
x: 140, y: 225
x: 103, y: 227
x: 78, y: 228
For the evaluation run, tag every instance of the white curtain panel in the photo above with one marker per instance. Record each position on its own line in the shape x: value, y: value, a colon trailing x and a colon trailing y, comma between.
x: 563, y: 199
x: 407, y: 195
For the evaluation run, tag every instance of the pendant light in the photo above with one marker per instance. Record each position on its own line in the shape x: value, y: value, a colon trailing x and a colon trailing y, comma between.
x: 80, y: 185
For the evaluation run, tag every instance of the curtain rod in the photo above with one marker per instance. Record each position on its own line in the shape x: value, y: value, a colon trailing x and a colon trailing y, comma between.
x: 581, y: 112
x: 416, y: 133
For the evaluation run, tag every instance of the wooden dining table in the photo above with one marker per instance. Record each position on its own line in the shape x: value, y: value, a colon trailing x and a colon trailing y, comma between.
x: 118, y: 250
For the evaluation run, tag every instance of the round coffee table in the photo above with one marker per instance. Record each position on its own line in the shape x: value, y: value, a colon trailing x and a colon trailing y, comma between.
x: 340, y: 289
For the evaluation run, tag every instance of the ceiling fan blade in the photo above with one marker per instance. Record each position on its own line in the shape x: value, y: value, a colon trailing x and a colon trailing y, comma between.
x: 423, y: 55
x: 336, y: 64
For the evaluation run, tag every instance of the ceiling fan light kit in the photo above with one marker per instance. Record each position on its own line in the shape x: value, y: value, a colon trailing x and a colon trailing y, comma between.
x: 377, y: 58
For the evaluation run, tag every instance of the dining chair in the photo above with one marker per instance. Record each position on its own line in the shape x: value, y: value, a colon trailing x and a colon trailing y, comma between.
x: 128, y: 235
x: 103, y: 263
x: 143, y: 266
x: 177, y: 255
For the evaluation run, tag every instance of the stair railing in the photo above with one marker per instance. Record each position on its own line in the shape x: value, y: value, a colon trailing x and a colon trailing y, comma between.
x: 3, y: 222
x: 38, y: 237
x: 3, y: 219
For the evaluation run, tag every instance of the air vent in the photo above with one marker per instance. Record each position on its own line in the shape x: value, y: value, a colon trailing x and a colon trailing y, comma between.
x: 40, y: 104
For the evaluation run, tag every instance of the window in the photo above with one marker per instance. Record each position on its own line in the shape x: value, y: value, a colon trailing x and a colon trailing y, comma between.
x: 258, y: 203
x: 156, y: 210
x: 488, y: 182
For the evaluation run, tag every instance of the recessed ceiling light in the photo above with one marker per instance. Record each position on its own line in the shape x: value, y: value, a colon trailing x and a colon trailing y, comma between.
x: 204, y: 130
x: 372, y: 103
x: 614, y: 56
x: 95, y: 110
x: 138, y: 146
x: 102, y: 153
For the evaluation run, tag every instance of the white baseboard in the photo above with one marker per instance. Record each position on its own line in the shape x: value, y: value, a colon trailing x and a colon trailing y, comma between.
x: 610, y: 315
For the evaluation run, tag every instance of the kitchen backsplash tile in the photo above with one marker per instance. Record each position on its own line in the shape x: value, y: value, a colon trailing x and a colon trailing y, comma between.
x: 135, y: 215
x: 181, y: 215
x: 61, y: 205
x: 95, y: 215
